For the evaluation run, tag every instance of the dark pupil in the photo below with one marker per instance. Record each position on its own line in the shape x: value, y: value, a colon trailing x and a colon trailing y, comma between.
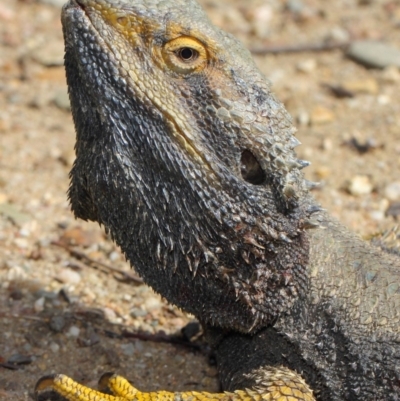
x: 187, y: 53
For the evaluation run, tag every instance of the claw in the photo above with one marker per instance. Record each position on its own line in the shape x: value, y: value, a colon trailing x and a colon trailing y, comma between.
x: 103, y: 383
x: 44, y: 382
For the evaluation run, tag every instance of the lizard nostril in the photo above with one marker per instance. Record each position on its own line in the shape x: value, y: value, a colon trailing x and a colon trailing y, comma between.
x: 250, y: 168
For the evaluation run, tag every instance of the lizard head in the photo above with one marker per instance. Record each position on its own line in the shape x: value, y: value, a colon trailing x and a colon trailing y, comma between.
x: 186, y: 158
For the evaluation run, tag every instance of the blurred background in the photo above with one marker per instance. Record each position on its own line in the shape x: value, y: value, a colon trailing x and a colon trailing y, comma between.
x: 336, y: 66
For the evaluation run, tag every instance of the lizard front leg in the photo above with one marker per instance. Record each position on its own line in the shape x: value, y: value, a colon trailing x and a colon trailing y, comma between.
x: 281, y: 384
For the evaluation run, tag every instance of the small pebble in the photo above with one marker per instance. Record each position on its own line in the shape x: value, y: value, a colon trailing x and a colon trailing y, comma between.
x: 21, y: 243
x: 3, y: 197
x: 92, y: 337
x: 57, y: 323
x: 394, y: 210
x: 295, y: 6
x: 114, y: 256
x: 27, y: 347
x: 137, y: 312
x: 368, y: 85
x: 128, y: 349
x: 307, y: 66
x: 321, y: 115
x: 15, y: 272
x: 391, y: 74
x: 153, y: 303
x: 127, y: 297
x: 54, y: 347
x: 327, y: 144
x: 260, y: 18
x: 109, y: 314
x: 300, y: 10
x: 24, y: 232
x: 18, y: 359
x: 303, y: 118
x: 338, y: 35
x: 392, y: 191
x: 323, y: 172
x: 73, y: 331
x: 146, y: 327
x: 68, y: 276
x: 46, y: 294
x: 359, y: 185
x: 38, y: 306
x: 61, y: 99
x: 384, y: 100
x: 42, y: 365
x: 377, y: 215
x: 374, y: 54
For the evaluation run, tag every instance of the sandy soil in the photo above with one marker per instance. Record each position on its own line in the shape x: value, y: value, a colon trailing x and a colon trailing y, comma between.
x: 60, y: 310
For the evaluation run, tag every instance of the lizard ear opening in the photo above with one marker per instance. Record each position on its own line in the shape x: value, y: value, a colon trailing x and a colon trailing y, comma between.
x: 251, y: 169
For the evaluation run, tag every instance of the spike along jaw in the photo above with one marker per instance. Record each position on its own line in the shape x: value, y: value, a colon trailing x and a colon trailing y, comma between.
x: 186, y: 158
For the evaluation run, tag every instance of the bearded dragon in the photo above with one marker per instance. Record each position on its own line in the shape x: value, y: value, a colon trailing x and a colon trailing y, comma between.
x: 186, y: 157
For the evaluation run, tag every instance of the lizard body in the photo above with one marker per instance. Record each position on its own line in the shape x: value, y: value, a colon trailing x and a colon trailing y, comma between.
x: 345, y: 337
x: 187, y: 159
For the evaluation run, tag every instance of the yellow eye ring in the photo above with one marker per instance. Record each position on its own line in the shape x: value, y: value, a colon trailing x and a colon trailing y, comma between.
x: 185, y: 55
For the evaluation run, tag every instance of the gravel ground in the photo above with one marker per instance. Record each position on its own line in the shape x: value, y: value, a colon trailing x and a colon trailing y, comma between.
x: 62, y: 309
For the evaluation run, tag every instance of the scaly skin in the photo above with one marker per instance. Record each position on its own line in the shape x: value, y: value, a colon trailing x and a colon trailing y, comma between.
x: 188, y: 160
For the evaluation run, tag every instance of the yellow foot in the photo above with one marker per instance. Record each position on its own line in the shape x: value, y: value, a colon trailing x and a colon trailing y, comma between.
x: 124, y: 391
x: 74, y: 391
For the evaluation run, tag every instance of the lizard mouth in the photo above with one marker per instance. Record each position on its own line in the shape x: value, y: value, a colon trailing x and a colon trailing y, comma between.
x: 72, y: 5
x: 75, y: 11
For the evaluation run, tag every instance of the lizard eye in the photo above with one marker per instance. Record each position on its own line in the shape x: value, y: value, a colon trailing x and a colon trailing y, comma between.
x: 185, y: 55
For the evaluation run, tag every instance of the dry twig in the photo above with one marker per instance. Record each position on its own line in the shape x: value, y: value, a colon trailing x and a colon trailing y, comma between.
x: 300, y: 48
x: 128, y: 276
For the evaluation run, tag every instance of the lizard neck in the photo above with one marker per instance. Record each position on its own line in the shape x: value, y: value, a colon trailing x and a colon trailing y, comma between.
x: 357, y: 281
